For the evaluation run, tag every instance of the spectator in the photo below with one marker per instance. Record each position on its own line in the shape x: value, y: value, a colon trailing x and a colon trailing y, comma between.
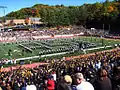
x: 68, y: 80
x: 82, y: 84
x: 54, y: 75
x: 8, y: 87
x: 51, y: 83
x: 116, y: 78
x: 31, y: 87
x: 103, y: 82
x: 65, y: 83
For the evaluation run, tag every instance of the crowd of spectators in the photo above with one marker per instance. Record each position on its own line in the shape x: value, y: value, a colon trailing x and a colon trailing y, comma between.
x: 6, y: 61
x: 28, y: 35
x: 100, y: 71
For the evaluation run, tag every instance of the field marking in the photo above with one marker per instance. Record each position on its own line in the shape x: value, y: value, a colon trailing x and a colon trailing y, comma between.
x: 98, y: 48
x: 40, y: 56
x: 16, y: 51
x: 6, y: 54
x: 26, y: 58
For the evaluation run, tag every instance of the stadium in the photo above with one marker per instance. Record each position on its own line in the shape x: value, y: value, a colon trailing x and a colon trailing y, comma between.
x: 33, y: 46
x: 65, y: 49
x: 33, y: 50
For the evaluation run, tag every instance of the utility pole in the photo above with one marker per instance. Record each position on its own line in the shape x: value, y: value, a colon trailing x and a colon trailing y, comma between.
x: 3, y: 7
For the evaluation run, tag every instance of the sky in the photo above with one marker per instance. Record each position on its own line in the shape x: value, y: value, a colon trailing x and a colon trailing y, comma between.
x: 14, y: 5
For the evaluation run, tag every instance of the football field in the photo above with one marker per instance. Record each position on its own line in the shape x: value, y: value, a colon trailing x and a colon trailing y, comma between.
x: 43, y: 47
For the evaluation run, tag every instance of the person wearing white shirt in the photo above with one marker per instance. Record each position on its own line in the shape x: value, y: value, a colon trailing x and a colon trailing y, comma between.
x: 54, y: 76
x: 98, y: 65
x: 31, y: 87
x: 82, y: 84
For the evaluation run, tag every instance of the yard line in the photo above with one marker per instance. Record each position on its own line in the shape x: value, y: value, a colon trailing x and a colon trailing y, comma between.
x: 33, y: 57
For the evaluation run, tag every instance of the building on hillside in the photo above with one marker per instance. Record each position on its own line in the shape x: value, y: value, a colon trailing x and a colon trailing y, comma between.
x: 28, y: 21
x: 35, y: 20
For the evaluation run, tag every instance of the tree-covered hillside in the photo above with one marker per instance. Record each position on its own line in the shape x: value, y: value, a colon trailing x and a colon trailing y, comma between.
x: 99, y: 15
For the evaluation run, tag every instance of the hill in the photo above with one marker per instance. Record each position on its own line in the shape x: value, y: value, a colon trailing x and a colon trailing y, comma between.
x: 99, y: 15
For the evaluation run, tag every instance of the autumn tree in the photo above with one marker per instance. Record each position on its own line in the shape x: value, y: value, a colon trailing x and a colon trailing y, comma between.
x: 27, y: 21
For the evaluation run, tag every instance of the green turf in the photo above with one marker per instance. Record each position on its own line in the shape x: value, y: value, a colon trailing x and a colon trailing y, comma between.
x: 41, y: 46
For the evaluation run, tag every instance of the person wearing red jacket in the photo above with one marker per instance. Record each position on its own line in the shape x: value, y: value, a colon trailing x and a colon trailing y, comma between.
x: 51, y: 84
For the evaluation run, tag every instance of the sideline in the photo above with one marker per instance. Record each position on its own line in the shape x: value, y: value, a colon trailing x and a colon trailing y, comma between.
x: 34, y: 57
